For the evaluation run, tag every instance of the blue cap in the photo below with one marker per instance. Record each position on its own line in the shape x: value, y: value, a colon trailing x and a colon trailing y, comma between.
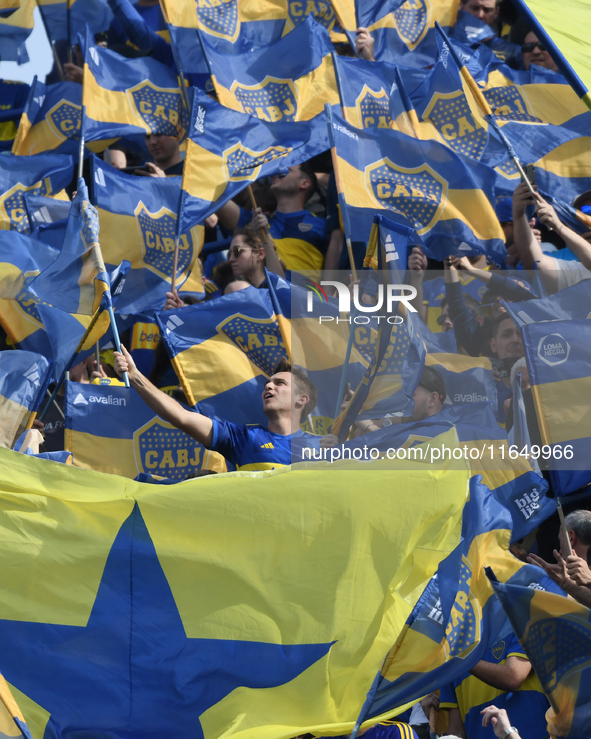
x: 504, y: 209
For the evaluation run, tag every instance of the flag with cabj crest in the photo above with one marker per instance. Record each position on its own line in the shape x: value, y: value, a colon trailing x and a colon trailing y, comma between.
x: 302, y: 78
x: 558, y: 357
x: 51, y: 120
x: 445, y: 196
x: 138, y: 219
x: 555, y: 633
x: 42, y: 174
x: 110, y: 429
x: 227, y: 150
x: 123, y: 97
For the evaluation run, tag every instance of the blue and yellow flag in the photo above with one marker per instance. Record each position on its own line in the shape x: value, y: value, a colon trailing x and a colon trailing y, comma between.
x: 14, y: 30
x: 43, y: 174
x: 483, y: 443
x: 51, y: 121
x: 302, y: 78
x: 445, y: 197
x: 42, y: 210
x: 407, y: 36
x: 555, y: 633
x: 374, y: 95
x: 457, y: 619
x: 123, y: 97
x: 558, y: 356
x: 95, y: 13
x: 533, y: 126
x: 110, y: 429
x: 227, y: 150
x: 12, y: 722
x: 138, y: 219
x: 24, y: 377
x: 355, y: 13
x: 77, y: 280
x: 21, y: 259
x: 189, y: 613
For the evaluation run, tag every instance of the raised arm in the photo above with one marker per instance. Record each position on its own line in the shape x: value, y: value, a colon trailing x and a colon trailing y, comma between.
x: 578, y: 245
x: 229, y: 215
x: 259, y: 221
x: 529, y: 250
x: 198, y: 426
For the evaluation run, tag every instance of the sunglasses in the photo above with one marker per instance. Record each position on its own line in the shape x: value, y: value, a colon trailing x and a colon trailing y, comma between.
x: 585, y: 209
x: 236, y: 251
x: 528, y: 48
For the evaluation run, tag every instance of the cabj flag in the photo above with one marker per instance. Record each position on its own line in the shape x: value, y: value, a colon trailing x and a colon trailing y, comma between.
x: 42, y: 210
x: 302, y: 78
x: 138, y: 218
x: 407, y: 36
x: 42, y: 174
x: 259, y: 641
x: 123, y: 97
x: 445, y: 197
x: 355, y: 13
x: 14, y: 30
x: 227, y: 150
x: 373, y: 95
x: 110, y: 429
x: 95, y: 13
x: 572, y: 303
x: 558, y: 355
x: 396, y: 240
x: 24, y: 377
x: 51, y: 120
x: 555, y: 633
x: 457, y: 619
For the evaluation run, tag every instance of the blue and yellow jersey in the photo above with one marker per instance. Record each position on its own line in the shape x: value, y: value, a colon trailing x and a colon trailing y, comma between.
x: 434, y: 292
x: 526, y: 707
x: 299, y: 238
x: 253, y: 447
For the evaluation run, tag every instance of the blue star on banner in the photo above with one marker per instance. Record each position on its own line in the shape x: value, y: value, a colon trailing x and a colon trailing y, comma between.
x: 132, y: 671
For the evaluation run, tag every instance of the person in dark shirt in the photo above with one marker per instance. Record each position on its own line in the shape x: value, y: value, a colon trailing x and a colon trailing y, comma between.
x: 288, y: 397
x: 166, y: 154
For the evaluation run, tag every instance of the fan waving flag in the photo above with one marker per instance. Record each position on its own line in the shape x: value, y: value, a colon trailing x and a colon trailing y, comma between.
x: 122, y: 97
x: 445, y: 197
x: 227, y: 150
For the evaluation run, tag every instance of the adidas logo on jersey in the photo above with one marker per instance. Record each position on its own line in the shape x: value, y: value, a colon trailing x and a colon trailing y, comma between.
x: 269, y: 445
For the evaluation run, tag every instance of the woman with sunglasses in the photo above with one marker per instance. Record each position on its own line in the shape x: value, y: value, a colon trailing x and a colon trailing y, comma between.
x: 252, y: 249
x: 534, y: 52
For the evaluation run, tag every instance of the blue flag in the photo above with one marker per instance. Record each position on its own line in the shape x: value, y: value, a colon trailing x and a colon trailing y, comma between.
x: 24, y: 377
x: 555, y: 633
x: 138, y: 220
x: 42, y: 174
x: 457, y: 619
x: 94, y: 13
x: 123, y: 97
x: 110, y: 429
x: 445, y: 196
x: 558, y: 357
x: 14, y: 30
x: 227, y: 150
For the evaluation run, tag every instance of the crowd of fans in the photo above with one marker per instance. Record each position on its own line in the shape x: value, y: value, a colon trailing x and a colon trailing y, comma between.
x: 296, y: 226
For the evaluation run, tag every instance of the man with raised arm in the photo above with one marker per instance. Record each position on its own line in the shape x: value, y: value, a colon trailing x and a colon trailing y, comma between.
x: 288, y: 397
